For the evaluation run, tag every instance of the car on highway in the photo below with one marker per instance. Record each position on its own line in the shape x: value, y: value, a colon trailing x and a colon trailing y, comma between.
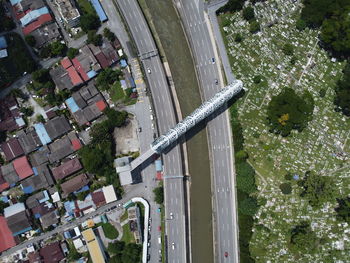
x: 213, y: 60
x: 149, y: 244
x: 226, y: 254
x: 216, y: 82
x: 171, y: 215
x: 140, y: 129
x: 173, y: 246
x: 148, y: 257
x: 148, y: 70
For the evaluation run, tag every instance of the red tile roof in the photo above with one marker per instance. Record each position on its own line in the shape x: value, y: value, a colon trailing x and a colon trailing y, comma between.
x: 6, y: 238
x: 101, y: 105
x: 76, y: 144
x: 66, y: 169
x: 74, y: 76
x: 3, y: 184
x: 12, y: 149
x: 80, y: 69
x: 22, y: 167
x: 36, y: 24
x: 66, y: 63
x: 98, y: 198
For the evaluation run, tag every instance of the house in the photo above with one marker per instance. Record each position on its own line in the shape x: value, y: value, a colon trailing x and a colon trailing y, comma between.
x: 46, y: 34
x: 109, y: 194
x: 11, y: 149
x: 29, y: 140
x: 94, y: 246
x: 42, y: 209
x: 86, y: 110
x: 9, y: 174
x: 123, y: 168
x: 63, y: 147
x: 6, y: 238
x: 62, y: 78
x: 18, y: 219
x: 98, y: 198
x: 22, y: 167
x: 40, y: 157
x: 52, y: 253
x: 10, y: 116
x: 66, y: 169
x: 37, y: 199
x: 72, y: 233
x: 106, y: 55
x: 69, y: 13
x: 49, y: 219
x: 86, y: 64
x: 41, y: 179
x: 74, y: 184
x: 57, y: 127
x: 3, y: 184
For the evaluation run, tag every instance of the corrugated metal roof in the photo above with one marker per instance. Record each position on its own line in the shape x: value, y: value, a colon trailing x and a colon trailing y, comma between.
x: 72, y: 105
x: 14, y: 209
x: 42, y: 133
x: 3, y: 43
x: 36, y: 24
x: 99, y: 10
x: 33, y: 15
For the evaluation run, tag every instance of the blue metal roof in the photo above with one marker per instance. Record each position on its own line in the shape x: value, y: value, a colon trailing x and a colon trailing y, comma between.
x: 22, y: 231
x: 99, y: 10
x: 123, y: 63
x: 28, y: 190
x: 132, y: 82
x: 3, y: 43
x: 72, y: 105
x: 42, y: 133
x: 91, y: 74
x: 32, y: 15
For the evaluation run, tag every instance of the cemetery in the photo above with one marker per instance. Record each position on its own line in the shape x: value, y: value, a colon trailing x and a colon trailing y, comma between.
x: 276, y: 57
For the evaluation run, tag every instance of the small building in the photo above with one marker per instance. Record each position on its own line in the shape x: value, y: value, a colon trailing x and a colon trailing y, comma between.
x: 41, y: 179
x: 62, y: 79
x: 9, y: 174
x: 49, y: 219
x: 41, y: 156
x: 99, y: 10
x: 29, y: 140
x: 37, y: 199
x: 18, y: 219
x: 57, y: 127
x: 109, y: 194
x: 69, y: 13
x: 52, y: 253
x: 12, y: 149
x: 66, y: 169
x: 22, y: 167
x: 123, y: 168
x: 46, y: 34
x: 74, y: 184
x: 63, y: 147
x: 6, y: 238
x: 10, y: 116
x: 94, y: 246
x: 3, y: 184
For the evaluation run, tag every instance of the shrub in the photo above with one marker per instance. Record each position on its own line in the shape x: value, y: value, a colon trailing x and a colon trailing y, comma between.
x: 254, y: 27
x: 248, y: 13
x: 238, y: 38
x: 72, y: 52
x: 286, y: 188
x: 30, y: 40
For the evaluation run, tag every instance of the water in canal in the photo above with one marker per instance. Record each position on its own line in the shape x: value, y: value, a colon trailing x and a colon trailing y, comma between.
x: 175, y: 47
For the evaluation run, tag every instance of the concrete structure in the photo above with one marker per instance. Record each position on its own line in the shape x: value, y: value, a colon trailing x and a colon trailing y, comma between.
x: 69, y: 13
x: 94, y: 246
x: 197, y: 116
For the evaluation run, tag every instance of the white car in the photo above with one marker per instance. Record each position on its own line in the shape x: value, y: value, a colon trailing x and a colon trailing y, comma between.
x: 173, y: 245
x: 148, y: 70
x: 171, y: 215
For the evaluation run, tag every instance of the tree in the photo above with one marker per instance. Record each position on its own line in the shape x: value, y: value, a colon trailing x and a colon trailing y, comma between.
x: 322, y: 92
x: 116, y: 118
x: 288, y: 176
x: 254, y: 27
x: 73, y: 254
x: 342, y: 90
x: 288, y: 49
x: 41, y: 76
x: 245, y: 177
x: 287, y: 111
x: 317, y: 189
x: 303, y: 239
x: 231, y: 6
x: 30, y: 40
x: 248, y: 13
x: 107, y: 77
x: 300, y: 24
x: 107, y: 33
x: 3, y: 136
x: 89, y: 22
x: 94, y: 38
x: 315, y: 11
x: 132, y: 253
x: 116, y: 248
x: 238, y: 38
x: 82, y: 195
x: 27, y: 111
x: 45, y: 51
x: 159, y: 195
x: 343, y: 209
x: 57, y: 48
x: 248, y: 206
x: 242, y: 155
x: 257, y: 79
x: 286, y: 188
x: 40, y: 118
x: 72, y: 52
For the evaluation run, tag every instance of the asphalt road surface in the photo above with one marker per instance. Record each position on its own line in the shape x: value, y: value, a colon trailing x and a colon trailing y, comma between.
x: 219, y: 133
x: 164, y: 109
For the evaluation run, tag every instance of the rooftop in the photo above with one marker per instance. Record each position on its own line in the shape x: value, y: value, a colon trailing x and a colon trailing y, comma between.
x: 61, y: 78
x: 29, y: 140
x: 74, y: 184
x: 57, y: 127
x: 46, y: 34
x: 12, y: 149
x: 6, y: 239
x: 95, y: 250
x: 22, y: 167
x: 19, y: 223
x: 52, y: 253
x: 67, y: 168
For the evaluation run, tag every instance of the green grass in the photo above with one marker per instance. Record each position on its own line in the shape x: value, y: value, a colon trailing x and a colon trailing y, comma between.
x: 110, y: 231
x: 128, y: 236
x: 116, y: 92
x: 86, y: 7
x: 124, y: 216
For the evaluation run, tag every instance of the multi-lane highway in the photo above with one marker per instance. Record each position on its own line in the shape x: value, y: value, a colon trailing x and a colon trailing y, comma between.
x: 211, y: 81
x: 164, y: 109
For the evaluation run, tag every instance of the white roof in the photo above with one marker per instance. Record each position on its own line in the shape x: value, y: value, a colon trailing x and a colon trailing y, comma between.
x: 97, y: 219
x: 125, y: 178
x: 109, y: 193
x: 14, y: 209
x: 77, y: 231
x: 3, y: 53
x: 120, y: 52
x: 55, y: 197
x: 78, y: 243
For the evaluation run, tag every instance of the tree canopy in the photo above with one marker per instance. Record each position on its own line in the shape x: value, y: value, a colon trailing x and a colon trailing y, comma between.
x: 107, y: 77
x: 303, y: 239
x: 94, y: 38
x: 343, y: 209
x: 231, y: 6
x: 317, y: 189
x: 248, y: 13
x: 89, y: 22
x: 288, y: 111
x: 72, y: 52
x: 245, y: 177
x: 159, y: 195
x: 342, y: 92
